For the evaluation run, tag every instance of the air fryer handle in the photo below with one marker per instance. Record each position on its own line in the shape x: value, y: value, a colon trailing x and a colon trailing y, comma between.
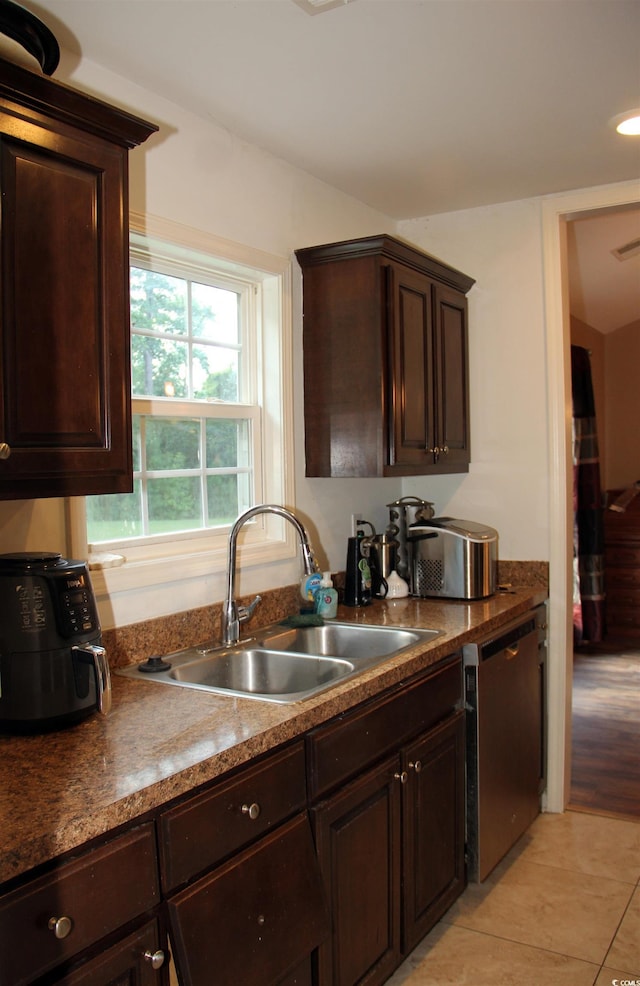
x: 98, y: 658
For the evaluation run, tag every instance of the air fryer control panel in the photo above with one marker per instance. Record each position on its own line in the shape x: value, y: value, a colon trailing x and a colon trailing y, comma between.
x: 76, y: 610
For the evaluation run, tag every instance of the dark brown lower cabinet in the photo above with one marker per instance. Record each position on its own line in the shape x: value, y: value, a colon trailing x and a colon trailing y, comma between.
x: 233, y: 875
x: 391, y: 850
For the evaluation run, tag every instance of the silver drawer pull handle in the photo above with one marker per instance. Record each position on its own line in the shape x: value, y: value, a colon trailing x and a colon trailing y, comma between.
x: 5, y: 450
x: 155, y: 958
x: 252, y: 810
x: 61, y: 927
x: 417, y: 766
x: 403, y: 777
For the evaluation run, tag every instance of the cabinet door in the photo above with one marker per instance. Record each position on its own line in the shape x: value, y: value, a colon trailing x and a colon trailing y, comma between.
x: 64, y: 324
x: 255, y: 919
x: 140, y: 959
x: 358, y: 844
x: 433, y: 827
x: 412, y: 425
x: 451, y: 380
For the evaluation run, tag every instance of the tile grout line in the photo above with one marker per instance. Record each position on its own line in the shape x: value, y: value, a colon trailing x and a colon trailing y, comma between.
x: 524, y: 944
x: 624, y: 914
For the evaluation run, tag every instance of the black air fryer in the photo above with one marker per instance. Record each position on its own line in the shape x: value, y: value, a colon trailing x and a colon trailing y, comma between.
x: 53, y: 669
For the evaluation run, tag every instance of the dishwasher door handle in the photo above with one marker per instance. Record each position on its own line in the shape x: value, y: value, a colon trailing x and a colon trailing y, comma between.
x: 512, y: 651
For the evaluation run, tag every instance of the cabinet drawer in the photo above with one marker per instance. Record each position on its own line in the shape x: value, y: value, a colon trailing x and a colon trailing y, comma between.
x: 256, y: 917
x: 342, y: 748
x: 127, y: 962
x: 97, y: 893
x: 204, y: 830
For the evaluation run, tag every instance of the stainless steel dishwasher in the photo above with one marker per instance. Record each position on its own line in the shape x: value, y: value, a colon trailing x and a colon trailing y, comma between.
x: 504, y: 676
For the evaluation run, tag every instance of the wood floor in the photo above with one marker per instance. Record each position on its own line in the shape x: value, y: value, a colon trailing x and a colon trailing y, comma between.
x: 605, y: 767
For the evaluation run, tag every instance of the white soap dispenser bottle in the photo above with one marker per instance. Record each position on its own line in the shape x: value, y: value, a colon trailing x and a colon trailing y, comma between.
x: 326, y: 598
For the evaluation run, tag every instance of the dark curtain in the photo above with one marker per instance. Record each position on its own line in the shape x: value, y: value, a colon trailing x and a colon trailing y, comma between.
x: 588, y: 534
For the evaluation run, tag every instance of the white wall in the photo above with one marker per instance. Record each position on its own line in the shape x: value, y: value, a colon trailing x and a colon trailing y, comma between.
x: 507, y: 484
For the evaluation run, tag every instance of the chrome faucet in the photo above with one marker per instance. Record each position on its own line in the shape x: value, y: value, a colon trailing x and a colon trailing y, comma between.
x: 232, y: 614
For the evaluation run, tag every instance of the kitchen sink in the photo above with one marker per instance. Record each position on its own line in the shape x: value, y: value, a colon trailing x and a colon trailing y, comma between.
x: 263, y: 673
x: 353, y: 641
x: 281, y: 664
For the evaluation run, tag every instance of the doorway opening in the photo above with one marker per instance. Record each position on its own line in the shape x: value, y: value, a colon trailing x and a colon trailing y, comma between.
x: 558, y: 212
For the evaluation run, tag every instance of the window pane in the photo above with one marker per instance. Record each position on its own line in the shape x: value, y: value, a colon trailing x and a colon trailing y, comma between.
x: 214, y: 313
x: 158, y: 302
x: 172, y: 443
x: 115, y: 516
x: 215, y: 373
x: 158, y: 367
x: 227, y: 443
x: 174, y: 504
x: 228, y: 498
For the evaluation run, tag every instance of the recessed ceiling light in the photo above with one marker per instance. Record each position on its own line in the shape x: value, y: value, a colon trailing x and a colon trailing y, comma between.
x: 627, y: 123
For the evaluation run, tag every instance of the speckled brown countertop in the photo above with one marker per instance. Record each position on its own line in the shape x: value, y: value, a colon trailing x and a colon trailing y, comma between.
x: 62, y: 789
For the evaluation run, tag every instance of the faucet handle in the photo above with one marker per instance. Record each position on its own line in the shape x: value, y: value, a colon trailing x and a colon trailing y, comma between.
x: 246, y: 612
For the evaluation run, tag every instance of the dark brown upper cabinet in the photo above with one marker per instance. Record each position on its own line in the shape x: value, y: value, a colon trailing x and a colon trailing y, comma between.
x: 386, y: 376
x: 65, y: 387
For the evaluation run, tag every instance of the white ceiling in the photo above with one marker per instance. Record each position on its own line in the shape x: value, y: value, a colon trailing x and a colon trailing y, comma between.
x: 412, y: 106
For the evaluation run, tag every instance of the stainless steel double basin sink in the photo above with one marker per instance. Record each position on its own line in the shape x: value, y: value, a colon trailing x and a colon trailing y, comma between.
x: 281, y: 664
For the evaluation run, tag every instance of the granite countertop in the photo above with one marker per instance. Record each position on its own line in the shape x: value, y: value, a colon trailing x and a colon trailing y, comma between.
x: 61, y: 789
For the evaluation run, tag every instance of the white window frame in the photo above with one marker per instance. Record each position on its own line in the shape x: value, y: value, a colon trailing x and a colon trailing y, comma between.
x: 164, y: 576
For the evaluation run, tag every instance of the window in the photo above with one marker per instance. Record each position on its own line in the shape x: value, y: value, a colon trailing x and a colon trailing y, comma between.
x: 196, y: 420
x: 211, y: 371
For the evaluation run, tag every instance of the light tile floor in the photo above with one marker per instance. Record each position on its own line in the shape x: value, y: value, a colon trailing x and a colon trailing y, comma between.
x: 562, y: 909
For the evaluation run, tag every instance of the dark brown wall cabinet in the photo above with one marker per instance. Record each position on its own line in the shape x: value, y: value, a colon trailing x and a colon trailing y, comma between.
x: 65, y: 392
x: 385, y: 360
x: 389, y: 832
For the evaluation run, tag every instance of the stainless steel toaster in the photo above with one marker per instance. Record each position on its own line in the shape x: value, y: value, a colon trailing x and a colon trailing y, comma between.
x: 457, y: 559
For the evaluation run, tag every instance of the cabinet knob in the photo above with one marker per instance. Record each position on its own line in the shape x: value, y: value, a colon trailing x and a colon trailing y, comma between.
x: 252, y: 810
x: 156, y: 959
x: 416, y: 765
x: 61, y: 927
x: 5, y: 450
x: 403, y: 777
